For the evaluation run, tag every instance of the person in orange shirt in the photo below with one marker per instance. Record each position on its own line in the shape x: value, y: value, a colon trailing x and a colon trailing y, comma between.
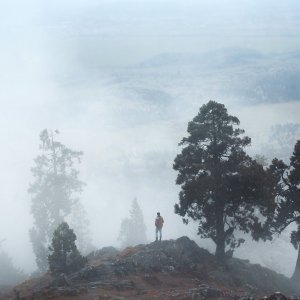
x: 159, y: 222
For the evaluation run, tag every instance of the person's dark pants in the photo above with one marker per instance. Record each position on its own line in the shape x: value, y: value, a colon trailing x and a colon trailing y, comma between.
x: 158, y: 230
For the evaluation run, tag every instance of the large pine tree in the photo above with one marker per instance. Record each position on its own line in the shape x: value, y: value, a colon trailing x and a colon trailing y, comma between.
x: 221, y: 186
x: 55, y: 189
x: 288, y: 191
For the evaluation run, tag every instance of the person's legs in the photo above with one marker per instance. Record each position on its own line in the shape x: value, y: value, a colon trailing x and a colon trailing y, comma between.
x: 160, y: 229
x: 156, y: 233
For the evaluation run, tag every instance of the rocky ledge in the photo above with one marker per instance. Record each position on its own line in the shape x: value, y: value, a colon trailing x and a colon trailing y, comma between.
x: 173, y: 269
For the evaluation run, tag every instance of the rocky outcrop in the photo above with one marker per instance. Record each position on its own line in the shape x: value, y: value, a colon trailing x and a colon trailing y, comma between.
x: 174, y: 269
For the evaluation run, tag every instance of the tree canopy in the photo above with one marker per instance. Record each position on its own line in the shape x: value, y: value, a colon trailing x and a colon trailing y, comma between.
x: 54, y: 191
x: 222, y: 187
x: 287, y: 177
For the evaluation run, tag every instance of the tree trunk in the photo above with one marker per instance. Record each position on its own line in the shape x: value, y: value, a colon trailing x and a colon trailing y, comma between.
x: 220, y: 251
x: 296, y: 275
x: 220, y: 234
x: 219, y: 204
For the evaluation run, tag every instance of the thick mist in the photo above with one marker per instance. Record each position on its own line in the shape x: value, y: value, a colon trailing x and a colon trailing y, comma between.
x: 120, y: 80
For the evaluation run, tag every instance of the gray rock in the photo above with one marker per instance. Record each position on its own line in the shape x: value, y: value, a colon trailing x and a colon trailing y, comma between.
x: 60, y: 280
x: 112, y: 284
x: 206, y: 292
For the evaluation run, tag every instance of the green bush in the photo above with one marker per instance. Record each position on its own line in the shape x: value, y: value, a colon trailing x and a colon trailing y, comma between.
x: 64, y: 256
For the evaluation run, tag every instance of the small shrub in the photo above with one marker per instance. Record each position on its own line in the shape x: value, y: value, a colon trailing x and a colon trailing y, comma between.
x: 64, y: 256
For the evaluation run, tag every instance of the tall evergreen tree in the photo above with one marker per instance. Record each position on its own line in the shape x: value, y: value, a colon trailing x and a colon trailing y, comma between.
x: 55, y: 189
x: 221, y: 186
x: 288, y: 192
x: 133, y: 229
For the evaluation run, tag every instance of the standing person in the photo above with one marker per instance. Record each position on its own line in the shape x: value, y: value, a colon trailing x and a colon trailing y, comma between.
x: 159, y: 222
